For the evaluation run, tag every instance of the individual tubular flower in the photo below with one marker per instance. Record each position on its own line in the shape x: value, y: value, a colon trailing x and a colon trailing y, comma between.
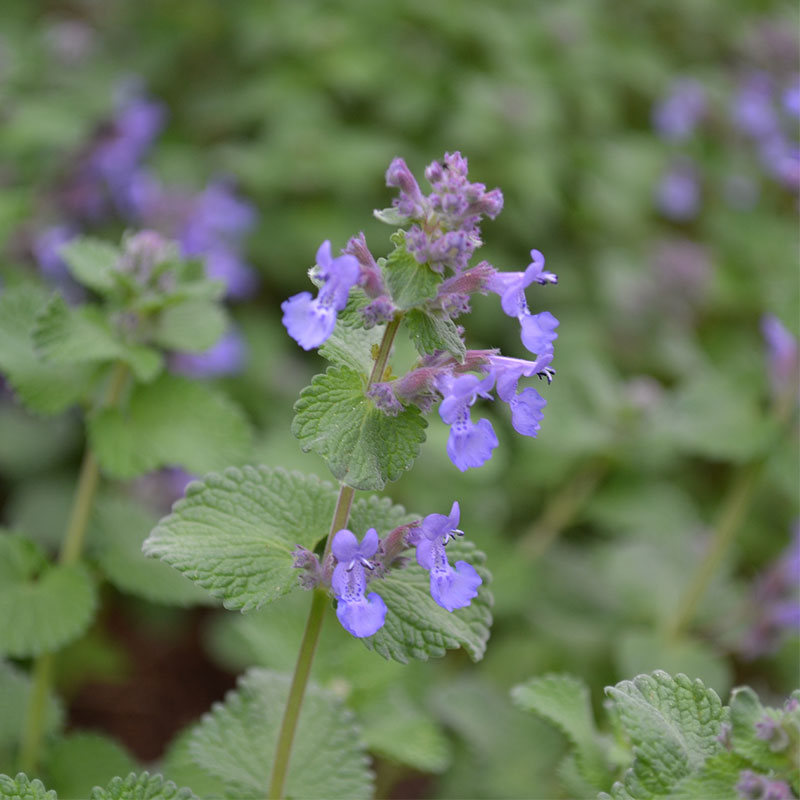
x: 311, y: 321
x: 469, y: 444
x: 450, y: 588
x: 360, y: 614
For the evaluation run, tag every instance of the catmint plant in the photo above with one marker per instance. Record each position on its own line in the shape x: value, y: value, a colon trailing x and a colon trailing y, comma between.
x: 407, y: 586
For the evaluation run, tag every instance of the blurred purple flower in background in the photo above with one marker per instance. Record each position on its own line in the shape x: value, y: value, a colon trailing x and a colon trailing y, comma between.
x: 676, y: 117
x: 678, y: 193
x: 227, y: 357
x: 783, y: 356
x: 45, y: 246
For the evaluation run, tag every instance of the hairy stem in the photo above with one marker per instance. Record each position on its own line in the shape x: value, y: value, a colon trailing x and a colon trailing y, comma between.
x: 319, y: 603
x: 71, y: 547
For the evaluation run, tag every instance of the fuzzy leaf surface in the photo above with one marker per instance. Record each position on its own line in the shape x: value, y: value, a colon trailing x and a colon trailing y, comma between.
x: 142, y: 786
x: 171, y: 421
x: 23, y: 788
x: 42, y: 386
x: 91, y: 262
x: 328, y: 758
x: 410, y: 283
x: 233, y: 534
x: 364, y: 447
x: 746, y: 710
x: 672, y: 725
x: 192, y: 326
x: 42, y: 606
x: 67, y: 335
x: 432, y: 330
x: 564, y: 701
x: 416, y: 627
x: 352, y: 347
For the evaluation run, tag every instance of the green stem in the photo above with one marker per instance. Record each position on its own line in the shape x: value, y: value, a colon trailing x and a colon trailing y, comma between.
x: 319, y: 602
x: 71, y: 547
x: 734, y: 509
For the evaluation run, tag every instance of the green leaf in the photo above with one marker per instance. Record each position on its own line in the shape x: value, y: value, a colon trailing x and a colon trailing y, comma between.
x: 119, y: 527
x: 178, y: 766
x: 410, y: 283
x: 432, y: 330
x: 76, y: 763
x: 364, y: 447
x: 234, y: 534
x: 564, y: 701
x: 141, y: 787
x: 715, y: 780
x: 673, y: 725
x: 416, y: 627
x: 746, y: 711
x: 44, y: 387
x: 15, y: 688
x: 192, y: 326
x: 236, y: 739
x: 92, y: 262
x: 171, y: 421
x: 42, y: 606
x: 391, y: 216
x: 82, y: 335
x: 22, y: 788
x: 352, y: 347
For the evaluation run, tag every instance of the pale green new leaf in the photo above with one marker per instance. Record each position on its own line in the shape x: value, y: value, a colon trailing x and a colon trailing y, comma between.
x: 364, y: 447
x: 416, y: 627
x: 91, y: 262
x: 76, y: 763
x: 432, y: 330
x: 119, y: 527
x: 42, y: 606
x: 171, y: 421
x: 233, y: 534
x: 23, y: 788
x: 564, y: 701
x: 746, y: 710
x: 328, y: 759
x: 142, y: 787
x: 410, y: 283
x: 82, y: 335
x: 42, y: 386
x: 352, y: 347
x: 192, y: 326
x: 673, y: 725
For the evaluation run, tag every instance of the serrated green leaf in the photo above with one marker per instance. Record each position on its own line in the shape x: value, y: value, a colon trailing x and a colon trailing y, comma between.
x: 91, y: 262
x: 172, y: 421
x: 22, y: 788
x: 191, y: 326
x: 42, y: 386
x: 433, y: 330
x: 673, y: 725
x: 236, y: 740
x: 564, y: 701
x: 233, y: 534
x: 409, y: 282
x: 143, y: 786
x: 178, y: 766
x: 15, y: 688
x: 352, y: 347
x: 416, y: 627
x: 76, y: 763
x: 42, y: 606
x: 119, y: 526
x: 82, y: 335
x: 364, y: 447
x: 746, y: 710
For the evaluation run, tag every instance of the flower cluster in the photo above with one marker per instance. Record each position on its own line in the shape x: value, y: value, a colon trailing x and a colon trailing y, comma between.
x: 359, y: 564
x: 444, y: 233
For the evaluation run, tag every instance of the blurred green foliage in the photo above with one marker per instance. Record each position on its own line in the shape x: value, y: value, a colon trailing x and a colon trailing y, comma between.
x: 662, y: 395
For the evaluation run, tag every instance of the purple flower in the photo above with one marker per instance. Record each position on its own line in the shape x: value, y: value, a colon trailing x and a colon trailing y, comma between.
x: 360, y: 614
x: 450, y: 588
x: 753, y: 110
x: 526, y: 411
x: 311, y: 321
x: 469, y: 444
x: 508, y: 372
x: 539, y: 332
x: 676, y: 117
x: 752, y: 786
x: 791, y: 98
x: 227, y: 357
x: 783, y: 355
x: 511, y: 285
x: 678, y: 193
